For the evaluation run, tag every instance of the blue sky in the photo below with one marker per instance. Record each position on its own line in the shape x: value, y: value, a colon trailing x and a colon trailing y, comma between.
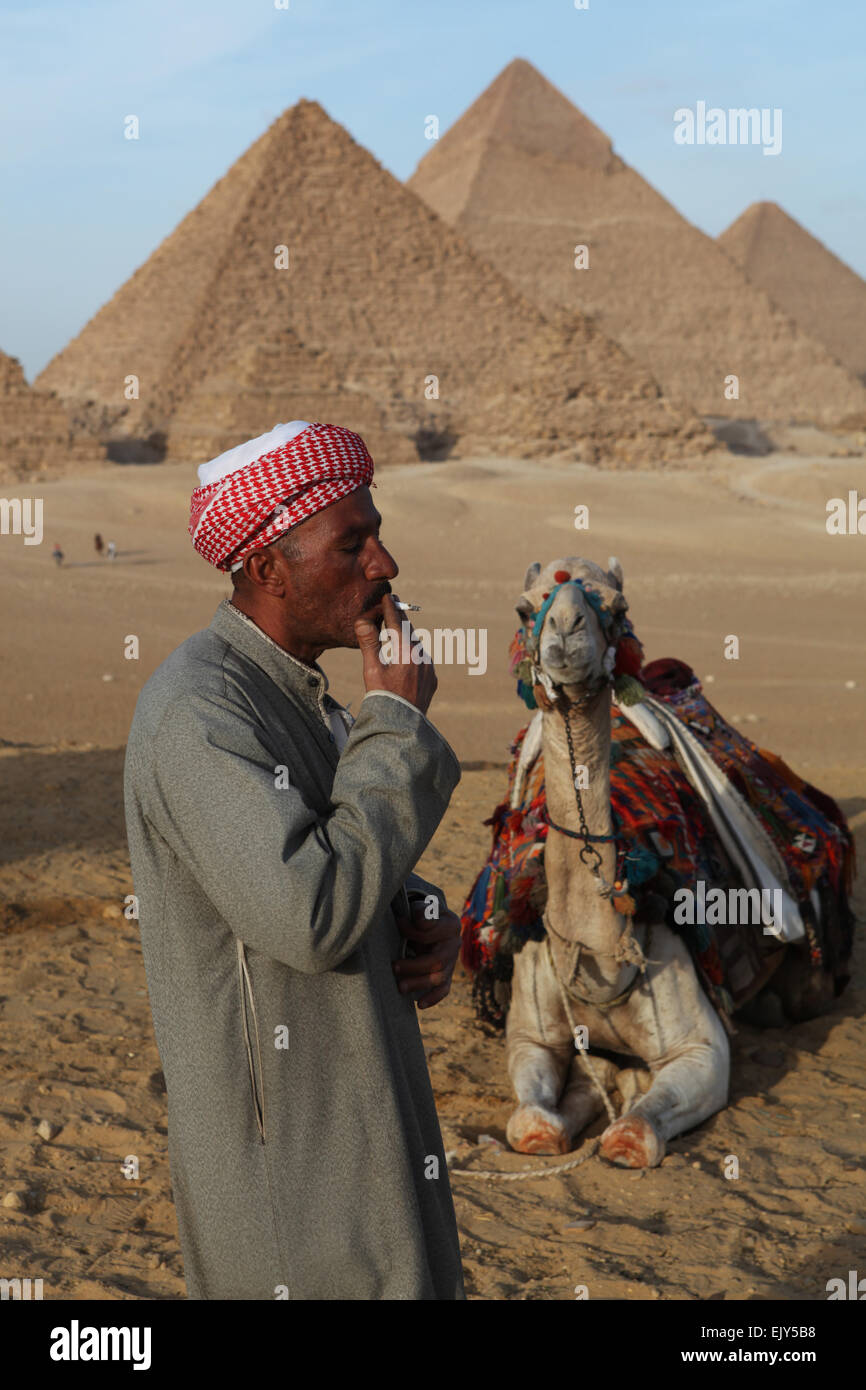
x: 82, y: 206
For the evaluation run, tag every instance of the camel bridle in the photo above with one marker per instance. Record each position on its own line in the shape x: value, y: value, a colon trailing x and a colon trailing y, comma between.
x: 566, y: 705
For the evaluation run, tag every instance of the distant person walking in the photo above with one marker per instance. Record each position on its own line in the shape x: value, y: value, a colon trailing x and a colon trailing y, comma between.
x: 112, y: 550
x: 97, y: 544
x: 58, y: 554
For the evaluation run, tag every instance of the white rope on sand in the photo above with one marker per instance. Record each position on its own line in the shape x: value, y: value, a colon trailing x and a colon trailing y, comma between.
x: 488, y: 1174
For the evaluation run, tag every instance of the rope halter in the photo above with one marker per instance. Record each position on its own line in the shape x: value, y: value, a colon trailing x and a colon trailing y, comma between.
x: 610, y: 626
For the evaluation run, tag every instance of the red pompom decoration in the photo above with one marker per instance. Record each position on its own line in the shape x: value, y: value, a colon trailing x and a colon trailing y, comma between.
x: 561, y: 577
x: 629, y: 656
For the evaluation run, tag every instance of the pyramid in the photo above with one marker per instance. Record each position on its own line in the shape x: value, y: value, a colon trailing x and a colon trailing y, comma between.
x: 526, y: 178
x: 384, y: 321
x: 37, y: 437
x: 802, y: 277
x: 137, y: 331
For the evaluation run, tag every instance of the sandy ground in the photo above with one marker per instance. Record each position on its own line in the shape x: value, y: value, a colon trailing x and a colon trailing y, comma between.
x: 739, y: 547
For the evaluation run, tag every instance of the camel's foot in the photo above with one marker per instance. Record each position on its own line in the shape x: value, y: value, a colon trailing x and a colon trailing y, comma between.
x: 632, y: 1142
x: 534, y: 1130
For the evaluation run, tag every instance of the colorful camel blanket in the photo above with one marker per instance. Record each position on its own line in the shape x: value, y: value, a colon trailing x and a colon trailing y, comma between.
x: 666, y: 841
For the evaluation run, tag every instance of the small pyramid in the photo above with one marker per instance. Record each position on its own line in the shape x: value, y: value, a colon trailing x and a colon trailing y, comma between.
x: 379, y: 318
x: 37, y: 436
x: 822, y: 293
x: 527, y: 180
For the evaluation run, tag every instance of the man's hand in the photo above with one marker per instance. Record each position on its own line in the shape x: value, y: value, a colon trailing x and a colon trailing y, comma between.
x: 415, y: 681
x: 427, y: 976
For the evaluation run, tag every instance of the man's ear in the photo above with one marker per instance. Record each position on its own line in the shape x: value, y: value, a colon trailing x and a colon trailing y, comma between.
x: 262, y: 570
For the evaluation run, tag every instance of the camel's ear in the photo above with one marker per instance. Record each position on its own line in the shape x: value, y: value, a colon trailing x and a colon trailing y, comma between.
x: 614, y: 572
x: 531, y: 575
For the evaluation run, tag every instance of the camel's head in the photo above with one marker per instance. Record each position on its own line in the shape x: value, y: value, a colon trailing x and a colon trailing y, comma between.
x: 571, y: 629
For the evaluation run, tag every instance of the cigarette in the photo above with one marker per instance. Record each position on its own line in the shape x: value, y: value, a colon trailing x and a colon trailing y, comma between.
x: 413, y: 607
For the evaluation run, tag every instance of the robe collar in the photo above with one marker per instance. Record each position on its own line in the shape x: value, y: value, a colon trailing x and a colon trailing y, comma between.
x: 306, y: 683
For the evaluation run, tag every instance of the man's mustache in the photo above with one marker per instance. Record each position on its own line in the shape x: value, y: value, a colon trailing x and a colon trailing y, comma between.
x: 378, y: 597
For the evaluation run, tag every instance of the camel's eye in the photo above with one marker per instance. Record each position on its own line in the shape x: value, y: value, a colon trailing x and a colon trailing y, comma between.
x: 525, y: 609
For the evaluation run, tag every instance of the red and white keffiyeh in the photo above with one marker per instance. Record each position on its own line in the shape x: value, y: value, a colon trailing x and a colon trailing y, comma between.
x: 252, y: 495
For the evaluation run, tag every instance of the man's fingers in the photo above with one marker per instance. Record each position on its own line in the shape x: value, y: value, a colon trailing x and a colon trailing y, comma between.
x: 410, y: 966
x: 434, y: 996
x: 441, y: 936
x: 420, y: 988
x: 395, y: 618
x: 398, y: 625
x: 420, y: 931
x: 367, y: 634
x: 429, y: 973
x: 434, y: 930
x: 388, y: 656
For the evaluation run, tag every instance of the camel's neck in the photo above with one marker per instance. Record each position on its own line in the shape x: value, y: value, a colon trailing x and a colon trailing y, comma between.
x: 574, y: 904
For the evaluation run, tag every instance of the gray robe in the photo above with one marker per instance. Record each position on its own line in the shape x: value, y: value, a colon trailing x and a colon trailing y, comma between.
x: 305, y: 1150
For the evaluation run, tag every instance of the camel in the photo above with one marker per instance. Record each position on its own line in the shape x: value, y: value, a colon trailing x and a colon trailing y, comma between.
x: 633, y: 988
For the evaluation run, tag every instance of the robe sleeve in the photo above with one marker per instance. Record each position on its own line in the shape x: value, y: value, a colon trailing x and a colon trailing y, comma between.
x: 418, y: 887
x: 300, y: 887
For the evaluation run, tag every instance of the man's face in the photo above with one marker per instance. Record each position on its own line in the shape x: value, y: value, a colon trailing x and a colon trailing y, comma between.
x: 342, y: 571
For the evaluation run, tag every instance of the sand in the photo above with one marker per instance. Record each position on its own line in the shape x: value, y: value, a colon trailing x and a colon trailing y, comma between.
x: 739, y: 547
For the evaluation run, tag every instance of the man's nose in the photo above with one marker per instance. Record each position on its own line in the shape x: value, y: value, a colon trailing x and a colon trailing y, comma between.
x: 382, y: 564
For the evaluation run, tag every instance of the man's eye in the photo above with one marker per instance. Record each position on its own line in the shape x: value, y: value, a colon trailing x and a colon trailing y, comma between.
x: 353, y: 549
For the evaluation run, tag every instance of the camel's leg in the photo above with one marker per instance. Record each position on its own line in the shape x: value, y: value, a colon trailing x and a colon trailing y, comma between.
x: 536, y: 1126
x: 686, y: 1090
x: 538, y: 1050
x: 690, y: 1065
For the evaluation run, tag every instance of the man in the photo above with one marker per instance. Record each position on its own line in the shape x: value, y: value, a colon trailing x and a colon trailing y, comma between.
x: 268, y: 837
